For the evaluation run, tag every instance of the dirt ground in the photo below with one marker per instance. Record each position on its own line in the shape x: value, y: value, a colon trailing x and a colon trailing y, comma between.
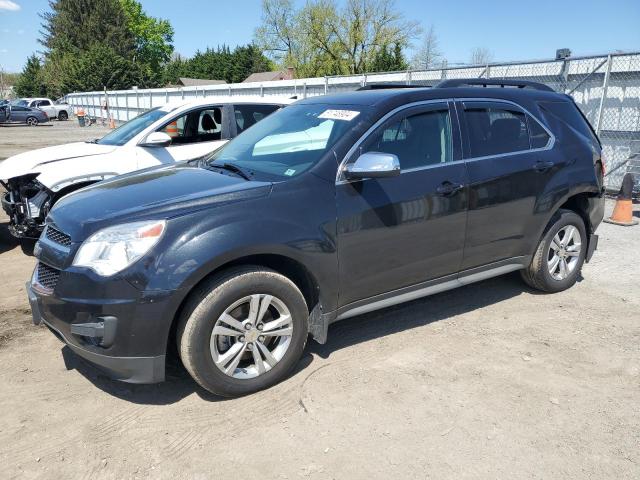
x: 489, y: 381
x: 16, y: 139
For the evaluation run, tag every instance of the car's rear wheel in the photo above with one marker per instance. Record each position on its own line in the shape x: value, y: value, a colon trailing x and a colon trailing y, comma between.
x: 243, y: 331
x: 63, y: 116
x: 560, y: 255
x: 32, y: 121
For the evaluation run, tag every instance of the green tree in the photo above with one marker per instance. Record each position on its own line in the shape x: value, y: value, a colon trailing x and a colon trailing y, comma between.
x: 30, y: 83
x: 153, y: 36
x: 219, y: 64
x: 74, y: 26
x: 389, y: 59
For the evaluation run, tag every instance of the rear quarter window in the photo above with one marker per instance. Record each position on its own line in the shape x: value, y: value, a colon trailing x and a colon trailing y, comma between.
x: 568, y: 113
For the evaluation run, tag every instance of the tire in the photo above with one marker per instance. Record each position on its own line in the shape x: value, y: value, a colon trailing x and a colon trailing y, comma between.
x: 565, y: 240
x: 63, y: 116
x: 206, y: 353
x: 32, y: 121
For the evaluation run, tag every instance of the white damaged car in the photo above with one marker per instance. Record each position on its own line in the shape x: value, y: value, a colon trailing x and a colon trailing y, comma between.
x: 34, y: 181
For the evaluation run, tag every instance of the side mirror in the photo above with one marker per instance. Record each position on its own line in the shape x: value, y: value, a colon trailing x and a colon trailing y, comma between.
x: 373, y: 165
x: 157, y: 139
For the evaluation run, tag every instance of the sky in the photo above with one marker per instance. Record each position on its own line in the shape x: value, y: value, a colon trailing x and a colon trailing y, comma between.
x: 510, y: 29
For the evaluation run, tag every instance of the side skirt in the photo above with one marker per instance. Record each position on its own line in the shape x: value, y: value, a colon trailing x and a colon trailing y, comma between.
x: 319, y: 322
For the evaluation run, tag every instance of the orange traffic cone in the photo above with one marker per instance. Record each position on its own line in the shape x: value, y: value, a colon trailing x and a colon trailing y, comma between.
x: 172, y: 129
x: 623, y: 211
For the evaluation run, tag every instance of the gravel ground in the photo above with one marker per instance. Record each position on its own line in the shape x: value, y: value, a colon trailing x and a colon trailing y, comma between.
x: 15, y: 139
x: 489, y: 381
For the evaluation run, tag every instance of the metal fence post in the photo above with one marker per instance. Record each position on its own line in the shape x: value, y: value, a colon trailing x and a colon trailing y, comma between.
x: 605, y: 87
x: 408, y: 77
x: 304, y: 90
x: 326, y: 85
x: 126, y: 103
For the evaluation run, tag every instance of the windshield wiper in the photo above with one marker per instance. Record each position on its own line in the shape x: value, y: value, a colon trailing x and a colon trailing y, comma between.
x: 95, y: 140
x: 232, y: 167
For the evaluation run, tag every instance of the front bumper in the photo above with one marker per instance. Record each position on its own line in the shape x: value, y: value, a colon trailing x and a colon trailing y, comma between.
x: 136, y: 324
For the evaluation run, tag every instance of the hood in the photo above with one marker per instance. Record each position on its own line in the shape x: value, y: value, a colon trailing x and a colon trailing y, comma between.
x: 160, y: 192
x: 35, y: 160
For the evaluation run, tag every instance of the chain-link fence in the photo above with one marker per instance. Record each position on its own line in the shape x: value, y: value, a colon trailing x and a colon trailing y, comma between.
x: 606, y: 88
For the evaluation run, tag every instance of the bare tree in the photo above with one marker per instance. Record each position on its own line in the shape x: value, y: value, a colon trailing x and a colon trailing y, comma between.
x: 277, y: 33
x: 481, y: 56
x: 429, y: 54
x: 321, y: 38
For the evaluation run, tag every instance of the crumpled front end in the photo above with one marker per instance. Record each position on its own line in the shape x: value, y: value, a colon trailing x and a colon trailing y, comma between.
x: 27, y: 203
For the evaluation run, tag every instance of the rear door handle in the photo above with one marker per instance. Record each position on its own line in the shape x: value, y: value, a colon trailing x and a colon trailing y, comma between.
x: 447, y: 189
x: 543, y: 166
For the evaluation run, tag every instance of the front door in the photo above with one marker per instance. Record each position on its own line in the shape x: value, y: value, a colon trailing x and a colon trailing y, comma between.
x: 399, y: 231
x: 194, y: 134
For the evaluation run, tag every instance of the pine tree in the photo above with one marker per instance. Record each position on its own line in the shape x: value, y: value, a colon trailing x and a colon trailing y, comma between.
x: 30, y: 83
x: 74, y: 26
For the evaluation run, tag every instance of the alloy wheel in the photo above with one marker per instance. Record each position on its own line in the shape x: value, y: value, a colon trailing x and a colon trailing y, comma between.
x: 564, y: 252
x: 251, y: 336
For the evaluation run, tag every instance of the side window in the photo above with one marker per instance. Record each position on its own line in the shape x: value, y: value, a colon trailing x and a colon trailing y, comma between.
x: 539, y: 136
x: 203, y: 125
x: 44, y: 103
x: 495, y: 130
x: 418, y: 140
x: 247, y: 115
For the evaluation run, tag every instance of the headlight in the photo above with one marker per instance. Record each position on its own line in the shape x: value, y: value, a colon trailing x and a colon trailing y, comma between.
x: 113, y: 249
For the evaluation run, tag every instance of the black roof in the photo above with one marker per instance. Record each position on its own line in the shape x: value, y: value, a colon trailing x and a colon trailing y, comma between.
x: 385, y: 99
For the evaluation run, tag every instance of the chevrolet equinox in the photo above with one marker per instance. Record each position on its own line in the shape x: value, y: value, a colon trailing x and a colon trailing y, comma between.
x: 332, y: 207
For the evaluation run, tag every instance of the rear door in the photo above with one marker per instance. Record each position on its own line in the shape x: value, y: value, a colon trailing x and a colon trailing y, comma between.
x: 246, y: 115
x: 509, y: 167
x: 45, y: 106
x: 399, y: 231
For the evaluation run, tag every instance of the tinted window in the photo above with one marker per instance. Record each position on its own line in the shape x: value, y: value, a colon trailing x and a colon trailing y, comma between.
x: 493, y: 131
x: 568, y: 112
x: 247, y: 115
x: 418, y: 140
x: 44, y: 103
x: 539, y: 136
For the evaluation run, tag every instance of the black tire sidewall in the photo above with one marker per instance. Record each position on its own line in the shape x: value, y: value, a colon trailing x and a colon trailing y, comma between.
x: 210, y: 309
x: 565, y: 218
x: 63, y: 116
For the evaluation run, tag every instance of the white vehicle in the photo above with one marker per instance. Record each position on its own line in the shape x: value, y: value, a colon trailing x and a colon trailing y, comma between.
x: 35, y: 180
x: 52, y: 109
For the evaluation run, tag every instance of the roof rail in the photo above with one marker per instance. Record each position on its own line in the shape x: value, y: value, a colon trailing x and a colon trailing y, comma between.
x: 463, y: 82
x: 383, y: 86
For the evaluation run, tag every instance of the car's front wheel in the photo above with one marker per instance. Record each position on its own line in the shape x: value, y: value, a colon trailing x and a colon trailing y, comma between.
x: 243, y: 331
x: 32, y: 121
x: 560, y: 254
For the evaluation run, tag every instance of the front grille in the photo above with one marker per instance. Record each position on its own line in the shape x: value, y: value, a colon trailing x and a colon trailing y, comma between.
x: 57, y: 236
x: 48, y: 276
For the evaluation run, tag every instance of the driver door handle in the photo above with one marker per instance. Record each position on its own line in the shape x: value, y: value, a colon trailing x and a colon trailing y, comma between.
x: 447, y: 189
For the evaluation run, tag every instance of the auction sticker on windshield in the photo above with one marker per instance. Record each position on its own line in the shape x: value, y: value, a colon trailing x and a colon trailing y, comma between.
x: 347, y: 115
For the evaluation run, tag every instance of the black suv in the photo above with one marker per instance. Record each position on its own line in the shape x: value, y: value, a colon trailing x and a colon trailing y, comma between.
x: 332, y: 207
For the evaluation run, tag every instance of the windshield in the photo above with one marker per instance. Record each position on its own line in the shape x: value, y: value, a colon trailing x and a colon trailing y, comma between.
x: 130, y: 129
x: 288, y: 142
